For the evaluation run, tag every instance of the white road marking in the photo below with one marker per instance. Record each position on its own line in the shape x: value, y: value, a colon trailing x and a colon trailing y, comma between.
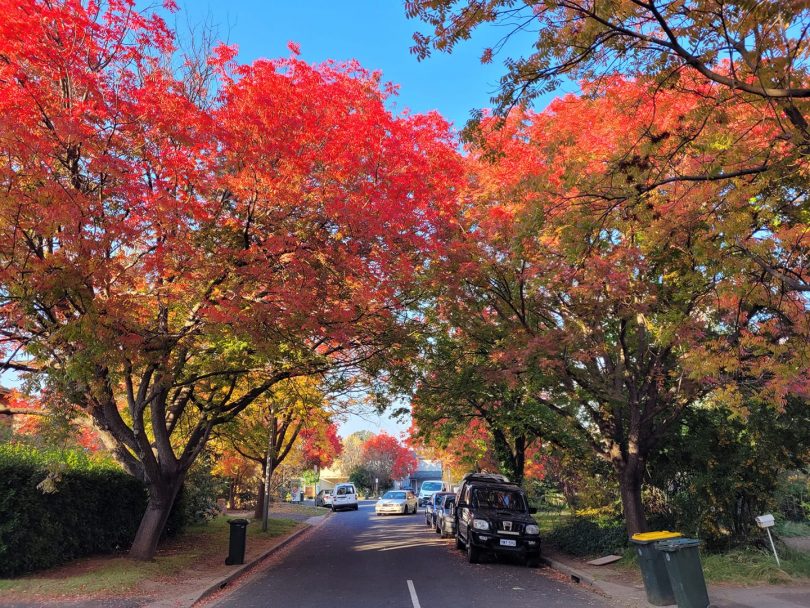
x: 414, y: 599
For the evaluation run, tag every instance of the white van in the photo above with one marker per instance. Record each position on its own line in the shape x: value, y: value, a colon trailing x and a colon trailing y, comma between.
x: 344, y: 496
x: 428, y: 489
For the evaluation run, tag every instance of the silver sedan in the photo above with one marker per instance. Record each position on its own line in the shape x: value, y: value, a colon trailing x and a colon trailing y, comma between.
x: 397, y: 501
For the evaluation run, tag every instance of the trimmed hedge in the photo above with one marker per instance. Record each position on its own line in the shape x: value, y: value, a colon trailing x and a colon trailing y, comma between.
x: 82, y: 506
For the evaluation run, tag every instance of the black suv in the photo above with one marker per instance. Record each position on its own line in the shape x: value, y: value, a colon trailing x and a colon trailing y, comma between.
x: 493, y: 515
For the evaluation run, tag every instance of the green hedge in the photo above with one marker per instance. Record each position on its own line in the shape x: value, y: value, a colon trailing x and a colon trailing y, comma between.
x: 587, y: 536
x: 92, y: 507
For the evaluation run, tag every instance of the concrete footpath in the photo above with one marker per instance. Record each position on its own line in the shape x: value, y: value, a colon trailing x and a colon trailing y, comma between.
x: 626, y: 588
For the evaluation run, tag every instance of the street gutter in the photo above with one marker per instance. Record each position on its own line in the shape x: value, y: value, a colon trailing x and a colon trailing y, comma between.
x: 576, y: 576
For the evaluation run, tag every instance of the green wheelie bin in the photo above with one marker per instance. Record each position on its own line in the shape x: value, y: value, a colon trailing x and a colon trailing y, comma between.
x: 682, y: 559
x: 653, y: 569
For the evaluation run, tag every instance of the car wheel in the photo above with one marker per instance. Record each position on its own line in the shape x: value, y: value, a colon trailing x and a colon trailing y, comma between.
x: 356, y: 507
x: 459, y: 544
x: 472, y: 553
x: 532, y: 562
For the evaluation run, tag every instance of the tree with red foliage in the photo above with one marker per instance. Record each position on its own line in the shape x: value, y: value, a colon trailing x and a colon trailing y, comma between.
x: 460, y: 452
x: 172, y: 248
x: 613, y: 282
x: 320, y: 445
x: 386, y: 459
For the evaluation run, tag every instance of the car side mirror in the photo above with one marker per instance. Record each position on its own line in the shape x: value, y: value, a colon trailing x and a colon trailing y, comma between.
x: 532, y: 510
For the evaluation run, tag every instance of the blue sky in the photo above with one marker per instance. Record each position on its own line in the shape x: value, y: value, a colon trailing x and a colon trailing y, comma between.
x: 377, y: 34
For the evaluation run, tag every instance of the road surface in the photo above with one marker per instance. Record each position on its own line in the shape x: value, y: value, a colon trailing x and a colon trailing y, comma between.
x: 356, y: 559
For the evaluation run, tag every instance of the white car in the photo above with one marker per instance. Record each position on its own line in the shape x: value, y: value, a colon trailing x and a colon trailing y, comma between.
x: 344, y: 496
x: 397, y: 501
x: 324, y: 498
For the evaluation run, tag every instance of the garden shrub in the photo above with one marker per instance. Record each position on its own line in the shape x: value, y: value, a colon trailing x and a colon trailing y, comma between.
x: 589, y: 536
x: 59, y: 505
x: 793, y: 496
x: 720, y: 470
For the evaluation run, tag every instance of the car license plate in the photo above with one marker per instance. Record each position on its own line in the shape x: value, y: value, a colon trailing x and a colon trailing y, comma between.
x: 506, y: 542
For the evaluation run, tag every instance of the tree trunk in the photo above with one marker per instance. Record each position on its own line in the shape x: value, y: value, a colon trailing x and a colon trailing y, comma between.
x: 232, y: 493
x: 630, y: 473
x: 259, y: 511
x: 161, y: 500
x: 512, y: 459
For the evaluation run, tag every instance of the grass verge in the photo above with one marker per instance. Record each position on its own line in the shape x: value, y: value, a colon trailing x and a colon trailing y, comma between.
x: 747, y: 566
x: 198, y: 548
x: 793, y: 528
x: 744, y: 566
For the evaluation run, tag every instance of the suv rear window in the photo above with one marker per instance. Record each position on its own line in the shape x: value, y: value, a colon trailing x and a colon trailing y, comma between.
x: 501, y: 499
x: 432, y: 486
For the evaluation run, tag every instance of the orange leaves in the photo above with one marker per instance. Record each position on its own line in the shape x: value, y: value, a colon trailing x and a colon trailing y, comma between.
x: 295, y: 191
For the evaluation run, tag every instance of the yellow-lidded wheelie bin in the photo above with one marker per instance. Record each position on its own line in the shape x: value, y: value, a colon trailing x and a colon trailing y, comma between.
x: 653, y: 569
x: 682, y: 560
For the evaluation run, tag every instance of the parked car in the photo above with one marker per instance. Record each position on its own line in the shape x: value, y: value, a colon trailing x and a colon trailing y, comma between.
x: 494, y: 516
x: 396, y: 501
x: 446, y: 517
x: 428, y: 489
x: 432, y: 505
x: 323, y: 498
x: 344, y: 496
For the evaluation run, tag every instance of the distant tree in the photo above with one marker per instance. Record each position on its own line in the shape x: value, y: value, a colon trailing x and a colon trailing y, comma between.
x: 386, y: 459
x: 294, y: 414
x: 351, y: 456
x: 363, y: 479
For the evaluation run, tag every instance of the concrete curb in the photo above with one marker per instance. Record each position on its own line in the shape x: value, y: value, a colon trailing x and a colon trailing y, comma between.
x: 221, y: 584
x: 577, y: 576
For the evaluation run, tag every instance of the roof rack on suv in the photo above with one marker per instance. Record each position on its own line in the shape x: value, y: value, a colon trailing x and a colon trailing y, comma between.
x: 492, y: 477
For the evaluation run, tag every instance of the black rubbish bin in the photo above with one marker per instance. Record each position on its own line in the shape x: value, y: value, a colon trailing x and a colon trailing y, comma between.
x: 653, y: 569
x: 236, y: 546
x: 682, y: 559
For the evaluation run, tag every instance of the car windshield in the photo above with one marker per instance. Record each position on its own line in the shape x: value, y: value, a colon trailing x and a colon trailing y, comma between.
x: 431, y: 486
x: 504, y: 500
x: 397, y: 495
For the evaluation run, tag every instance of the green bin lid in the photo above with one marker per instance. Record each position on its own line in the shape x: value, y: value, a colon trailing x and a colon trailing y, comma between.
x: 676, y: 544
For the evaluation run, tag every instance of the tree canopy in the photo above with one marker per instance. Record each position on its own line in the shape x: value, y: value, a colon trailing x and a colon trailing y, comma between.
x: 172, y: 248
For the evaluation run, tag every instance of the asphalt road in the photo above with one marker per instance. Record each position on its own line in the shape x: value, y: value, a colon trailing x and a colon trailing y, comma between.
x: 360, y: 560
